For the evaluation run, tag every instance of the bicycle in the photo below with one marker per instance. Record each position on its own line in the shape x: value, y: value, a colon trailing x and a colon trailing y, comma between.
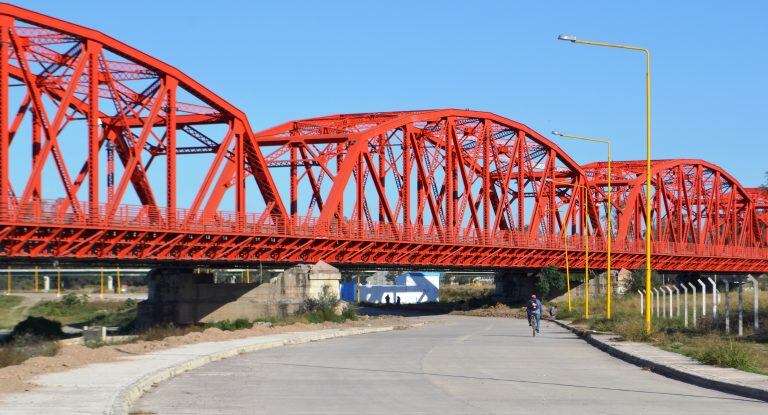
x: 532, y: 322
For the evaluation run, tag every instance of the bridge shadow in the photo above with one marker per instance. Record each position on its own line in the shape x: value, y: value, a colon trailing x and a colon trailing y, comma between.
x: 522, y: 381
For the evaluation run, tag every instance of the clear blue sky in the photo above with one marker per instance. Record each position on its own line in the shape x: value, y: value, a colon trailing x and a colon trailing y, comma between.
x: 281, y: 60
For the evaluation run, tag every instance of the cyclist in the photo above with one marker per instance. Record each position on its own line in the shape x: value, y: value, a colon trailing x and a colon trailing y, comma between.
x: 534, y: 308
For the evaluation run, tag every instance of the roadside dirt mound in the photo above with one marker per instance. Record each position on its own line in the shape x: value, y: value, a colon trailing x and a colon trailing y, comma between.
x: 497, y: 310
x: 20, y: 377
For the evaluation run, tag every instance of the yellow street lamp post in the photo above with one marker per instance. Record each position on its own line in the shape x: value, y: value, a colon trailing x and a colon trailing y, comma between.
x: 648, y: 230
x: 609, y: 214
x: 585, y: 193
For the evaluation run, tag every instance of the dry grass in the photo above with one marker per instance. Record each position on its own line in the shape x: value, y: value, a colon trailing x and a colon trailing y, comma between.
x: 25, y: 347
x: 707, y: 343
x: 13, y: 309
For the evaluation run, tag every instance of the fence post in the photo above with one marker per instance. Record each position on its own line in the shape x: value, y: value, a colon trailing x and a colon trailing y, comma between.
x: 671, y: 314
x: 756, y: 289
x: 703, y: 298
x: 663, y: 302
x: 727, y: 308
x: 714, y: 297
x: 677, y: 291
x: 693, y: 287
x: 656, y: 291
x: 685, y: 301
x: 642, y: 305
x: 741, y: 308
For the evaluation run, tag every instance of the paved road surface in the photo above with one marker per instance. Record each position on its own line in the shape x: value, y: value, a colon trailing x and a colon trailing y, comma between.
x: 460, y: 365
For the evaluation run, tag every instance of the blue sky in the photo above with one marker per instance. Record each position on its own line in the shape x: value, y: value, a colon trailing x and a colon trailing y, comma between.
x: 282, y: 60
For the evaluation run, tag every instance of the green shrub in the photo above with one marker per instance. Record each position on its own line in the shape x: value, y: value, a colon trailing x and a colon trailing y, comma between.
x: 227, y: 325
x: 349, y: 314
x: 70, y: 299
x: 549, y: 279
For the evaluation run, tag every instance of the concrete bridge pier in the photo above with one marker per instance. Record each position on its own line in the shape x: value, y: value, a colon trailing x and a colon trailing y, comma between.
x: 180, y: 296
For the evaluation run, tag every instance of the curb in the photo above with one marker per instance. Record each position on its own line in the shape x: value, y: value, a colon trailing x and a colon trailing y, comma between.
x: 128, y: 395
x: 668, y: 370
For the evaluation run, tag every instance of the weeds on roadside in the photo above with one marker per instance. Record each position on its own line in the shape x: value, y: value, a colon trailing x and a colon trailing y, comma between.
x: 26, y: 346
x: 706, y: 342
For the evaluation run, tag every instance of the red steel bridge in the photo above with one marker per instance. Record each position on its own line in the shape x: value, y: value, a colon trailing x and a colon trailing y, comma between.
x: 107, y: 153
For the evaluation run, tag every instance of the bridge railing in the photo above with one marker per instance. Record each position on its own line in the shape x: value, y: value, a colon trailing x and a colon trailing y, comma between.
x: 159, y: 219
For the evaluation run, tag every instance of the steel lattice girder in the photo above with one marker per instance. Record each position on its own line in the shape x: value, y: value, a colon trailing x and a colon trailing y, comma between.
x: 445, y: 187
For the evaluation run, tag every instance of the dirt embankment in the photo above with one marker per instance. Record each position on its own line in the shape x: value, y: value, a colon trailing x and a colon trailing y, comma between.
x: 496, y: 310
x: 20, y: 377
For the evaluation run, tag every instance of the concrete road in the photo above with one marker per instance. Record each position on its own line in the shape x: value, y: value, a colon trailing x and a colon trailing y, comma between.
x: 460, y: 365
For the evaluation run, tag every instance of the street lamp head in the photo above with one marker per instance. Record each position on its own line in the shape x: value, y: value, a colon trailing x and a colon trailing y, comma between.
x: 555, y: 132
x: 569, y: 38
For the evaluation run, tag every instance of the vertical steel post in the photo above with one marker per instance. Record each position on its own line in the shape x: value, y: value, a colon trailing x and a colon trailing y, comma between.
x: 642, y: 309
x: 6, y: 23
x: 663, y: 302
x: 240, y: 175
x: 406, y: 195
x: 756, y: 304
x: 658, y: 308
x: 703, y: 298
x: 609, y: 237
x: 671, y: 313
x: 741, y: 307
x: 119, y: 285
x: 693, y: 287
x: 94, y: 50
x: 727, y: 308
x: 685, y: 304
x: 294, y: 180
x: 586, y: 254
x: 37, y: 278
x: 714, y: 297
x: 677, y: 292
x: 170, y: 153
x: 37, y: 143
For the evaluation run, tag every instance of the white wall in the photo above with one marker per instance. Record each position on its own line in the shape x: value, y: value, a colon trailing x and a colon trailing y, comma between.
x: 412, y: 288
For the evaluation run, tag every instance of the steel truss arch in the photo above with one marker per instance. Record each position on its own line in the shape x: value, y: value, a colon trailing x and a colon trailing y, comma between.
x: 443, y: 170
x: 694, y: 201
x: 131, y: 104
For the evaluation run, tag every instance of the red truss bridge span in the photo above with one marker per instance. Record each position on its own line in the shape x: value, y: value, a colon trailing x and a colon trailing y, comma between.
x: 107, y: 153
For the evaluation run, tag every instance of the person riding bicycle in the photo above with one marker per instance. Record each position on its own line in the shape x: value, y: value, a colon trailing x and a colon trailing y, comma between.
x: 534, y: 308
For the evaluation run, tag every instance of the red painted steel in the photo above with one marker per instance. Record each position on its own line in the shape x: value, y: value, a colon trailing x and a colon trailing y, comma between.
x: 441, y: 188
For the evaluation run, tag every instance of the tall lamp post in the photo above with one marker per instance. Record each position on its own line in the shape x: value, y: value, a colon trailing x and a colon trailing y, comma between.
x: 608, y: 213
x: 648, y: 230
